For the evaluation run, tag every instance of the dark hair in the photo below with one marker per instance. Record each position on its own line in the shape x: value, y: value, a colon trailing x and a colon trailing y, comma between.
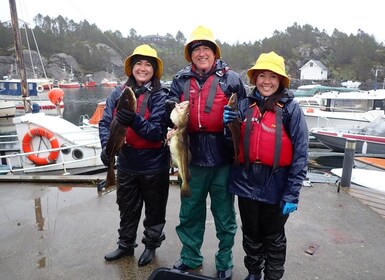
x: 150, y: 59
x: 271, y: 102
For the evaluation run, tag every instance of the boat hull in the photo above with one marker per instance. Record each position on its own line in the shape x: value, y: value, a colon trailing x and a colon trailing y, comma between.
x: 337, y: 142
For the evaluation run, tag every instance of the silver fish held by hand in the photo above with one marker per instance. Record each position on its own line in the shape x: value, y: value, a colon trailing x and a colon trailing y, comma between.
x: 118, y: 134
x: 179, y: 145
x: 235, y: 127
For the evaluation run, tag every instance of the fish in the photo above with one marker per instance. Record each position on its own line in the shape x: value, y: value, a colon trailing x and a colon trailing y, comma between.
x: 179, y: 145
x: 235, y: 127
x: 117, y: 136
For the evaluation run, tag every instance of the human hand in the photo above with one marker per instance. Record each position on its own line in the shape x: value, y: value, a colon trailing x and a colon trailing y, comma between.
x: 169, y: 106
x: 289, y: 208
x: 104, y: 157
x: 125, y: 117
x: 229, y: 115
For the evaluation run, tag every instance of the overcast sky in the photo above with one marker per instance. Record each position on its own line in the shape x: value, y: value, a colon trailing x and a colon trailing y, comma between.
x: 231, y: 21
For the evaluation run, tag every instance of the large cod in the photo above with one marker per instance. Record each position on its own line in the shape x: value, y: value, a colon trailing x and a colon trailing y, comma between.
x: 118, y: 134
x: 179, y: 145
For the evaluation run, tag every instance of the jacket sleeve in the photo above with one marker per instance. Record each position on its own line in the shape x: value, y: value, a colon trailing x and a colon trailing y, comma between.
x: 105, y: 122
x: 232, y: 83
x: 298, y: 132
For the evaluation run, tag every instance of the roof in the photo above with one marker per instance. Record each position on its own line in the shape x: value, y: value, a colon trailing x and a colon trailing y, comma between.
x: 317, y: 62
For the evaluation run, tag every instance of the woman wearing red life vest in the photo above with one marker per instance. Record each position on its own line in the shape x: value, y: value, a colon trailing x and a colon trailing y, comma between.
x: 144, y: 160
x: 273, y: 164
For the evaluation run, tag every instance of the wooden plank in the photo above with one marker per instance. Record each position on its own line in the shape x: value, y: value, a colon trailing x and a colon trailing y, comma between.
x: 371, y: 198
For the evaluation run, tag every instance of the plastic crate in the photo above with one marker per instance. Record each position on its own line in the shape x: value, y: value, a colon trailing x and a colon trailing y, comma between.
x: 164, y: 273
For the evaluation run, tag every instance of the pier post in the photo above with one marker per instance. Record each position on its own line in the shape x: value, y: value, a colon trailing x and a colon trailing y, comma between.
x: 347, y: 165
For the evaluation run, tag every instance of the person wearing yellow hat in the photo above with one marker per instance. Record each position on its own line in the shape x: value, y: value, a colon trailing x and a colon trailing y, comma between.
x: 207, y: 82
x: 144, y: 160
x: 273, y: 164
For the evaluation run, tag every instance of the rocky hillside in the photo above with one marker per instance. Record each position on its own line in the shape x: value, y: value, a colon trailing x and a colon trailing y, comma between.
x: 58, y: 66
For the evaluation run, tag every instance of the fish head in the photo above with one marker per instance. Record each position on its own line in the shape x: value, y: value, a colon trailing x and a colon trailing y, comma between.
x: 179, y: 115
x: 127, y: 100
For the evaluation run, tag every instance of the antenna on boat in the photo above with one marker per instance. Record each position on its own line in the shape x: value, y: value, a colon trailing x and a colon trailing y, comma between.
x: 20, y: 58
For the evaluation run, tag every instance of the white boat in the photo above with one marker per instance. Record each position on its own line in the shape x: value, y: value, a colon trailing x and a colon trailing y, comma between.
x: 372, y: 179
x: 10, y: 93
x: 339, y: 108
x: 46, y: 143
x: 369, y: 140
x: 7, y: 108
x: 51, y: 144
x: 37, y: 88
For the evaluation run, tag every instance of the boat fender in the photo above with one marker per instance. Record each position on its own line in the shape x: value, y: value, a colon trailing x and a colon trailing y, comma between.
x: 55, y: 95
x: 27, y: 146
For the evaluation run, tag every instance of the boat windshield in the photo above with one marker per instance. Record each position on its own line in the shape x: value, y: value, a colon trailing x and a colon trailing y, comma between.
x: 376, y: 127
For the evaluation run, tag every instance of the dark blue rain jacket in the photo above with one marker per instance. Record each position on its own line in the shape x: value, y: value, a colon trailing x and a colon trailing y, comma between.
x: 260, y: 182
x: 140, y: 161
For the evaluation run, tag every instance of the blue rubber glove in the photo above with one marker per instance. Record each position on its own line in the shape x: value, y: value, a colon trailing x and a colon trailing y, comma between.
x: 289, y: 208
x: 125, y: 117
x: 229, y: 115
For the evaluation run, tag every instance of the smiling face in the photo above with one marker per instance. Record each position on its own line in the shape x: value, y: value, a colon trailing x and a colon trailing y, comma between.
x: 143, y: 72
x: 203, y: 58
x: 267, y: 82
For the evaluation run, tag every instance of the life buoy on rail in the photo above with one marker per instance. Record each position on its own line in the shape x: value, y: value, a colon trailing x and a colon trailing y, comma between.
x: 39, y: 88
x: 27, y: 145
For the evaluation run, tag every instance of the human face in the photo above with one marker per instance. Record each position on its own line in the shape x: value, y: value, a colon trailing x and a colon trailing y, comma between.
x: 142, y: 72
x: 203, y: 58
x: 267, y: 82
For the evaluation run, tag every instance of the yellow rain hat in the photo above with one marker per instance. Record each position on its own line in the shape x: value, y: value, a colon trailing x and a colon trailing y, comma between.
x: 201, y: 33
x: 144, y: 50
x: 269, y: 61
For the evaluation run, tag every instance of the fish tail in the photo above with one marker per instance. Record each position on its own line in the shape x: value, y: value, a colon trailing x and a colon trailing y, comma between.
x: 185, y: 190
x: 110, y: 179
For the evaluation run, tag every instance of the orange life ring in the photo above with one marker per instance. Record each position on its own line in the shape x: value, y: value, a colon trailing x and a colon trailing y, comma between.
x: 27, y: 146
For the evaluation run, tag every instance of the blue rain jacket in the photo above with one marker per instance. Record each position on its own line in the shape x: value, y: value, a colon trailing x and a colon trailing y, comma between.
x: 140, y: 161
x: 260, y: 182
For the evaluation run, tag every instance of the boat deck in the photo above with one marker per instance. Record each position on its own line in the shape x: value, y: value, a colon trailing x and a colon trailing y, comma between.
x: 62, y: 230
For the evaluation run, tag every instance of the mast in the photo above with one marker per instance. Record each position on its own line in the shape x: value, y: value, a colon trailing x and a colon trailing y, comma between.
x: 19, y: 58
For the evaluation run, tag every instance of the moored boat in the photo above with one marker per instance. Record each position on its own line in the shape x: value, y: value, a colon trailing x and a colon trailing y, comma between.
x: 372, y: 179
x: 12, y: 103
x: 369, y: 140
x: 51, y: 144
x: 339, y: 105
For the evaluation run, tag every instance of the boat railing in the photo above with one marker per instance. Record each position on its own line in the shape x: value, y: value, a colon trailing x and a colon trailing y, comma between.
x: 13, y: 167
x: 323, y: 118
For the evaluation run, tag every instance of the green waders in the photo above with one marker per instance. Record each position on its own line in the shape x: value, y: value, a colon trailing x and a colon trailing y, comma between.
x: 192, y: 216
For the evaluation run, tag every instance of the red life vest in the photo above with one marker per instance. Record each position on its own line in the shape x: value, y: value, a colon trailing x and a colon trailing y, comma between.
x: 262, y: 140
x: 206, y: 105
x: 132, y: 138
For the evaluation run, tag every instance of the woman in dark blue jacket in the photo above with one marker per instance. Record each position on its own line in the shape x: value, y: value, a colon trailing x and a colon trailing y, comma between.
x: 273, y: 157
x: 143, y: 163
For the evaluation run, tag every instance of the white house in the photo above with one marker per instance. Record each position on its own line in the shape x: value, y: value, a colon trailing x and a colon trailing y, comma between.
x: 314, y: 70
